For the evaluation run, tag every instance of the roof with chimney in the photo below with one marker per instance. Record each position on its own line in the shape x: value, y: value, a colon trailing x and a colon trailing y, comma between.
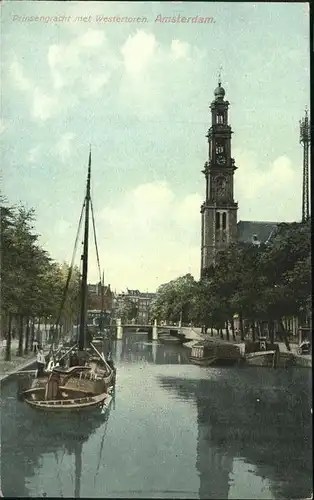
x: 95, y: 289
x: 134, y: 293
x: 256, y: 231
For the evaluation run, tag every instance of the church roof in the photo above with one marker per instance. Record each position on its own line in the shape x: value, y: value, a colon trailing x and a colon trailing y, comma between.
x: 247, y: 230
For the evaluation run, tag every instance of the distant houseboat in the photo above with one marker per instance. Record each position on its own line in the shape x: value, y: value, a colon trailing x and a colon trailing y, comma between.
x: 263, y: 353
x: 215, y: 353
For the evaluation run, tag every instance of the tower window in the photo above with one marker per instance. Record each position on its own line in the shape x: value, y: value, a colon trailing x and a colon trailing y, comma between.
x: 220, y: 187
x: 224, y: 220
x: 220, y: 118
x: 219, y: 148
x: 217, y: 220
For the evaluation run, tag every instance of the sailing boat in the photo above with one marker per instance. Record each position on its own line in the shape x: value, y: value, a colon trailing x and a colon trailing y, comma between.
x: 89, y: 379
x: 98, y: 339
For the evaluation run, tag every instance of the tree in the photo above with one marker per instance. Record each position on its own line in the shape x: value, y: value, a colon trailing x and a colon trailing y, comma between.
x: 286, y: 266
x: 19, y: 259
x: 32, y: 284
x: 127, y: 310
x: 262, y: 283
x: 174, y: 300
x: 205, y: 305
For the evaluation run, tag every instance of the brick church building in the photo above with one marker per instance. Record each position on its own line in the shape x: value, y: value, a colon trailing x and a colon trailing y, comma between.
x: 220, y: 225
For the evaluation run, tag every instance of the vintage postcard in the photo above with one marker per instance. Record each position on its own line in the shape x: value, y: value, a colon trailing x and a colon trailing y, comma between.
x: 156, y: 295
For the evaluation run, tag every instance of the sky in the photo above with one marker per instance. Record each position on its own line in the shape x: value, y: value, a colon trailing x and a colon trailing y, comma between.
x: 139, y: 93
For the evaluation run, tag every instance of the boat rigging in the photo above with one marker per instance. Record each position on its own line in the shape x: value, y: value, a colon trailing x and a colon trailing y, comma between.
x: 88, y: 379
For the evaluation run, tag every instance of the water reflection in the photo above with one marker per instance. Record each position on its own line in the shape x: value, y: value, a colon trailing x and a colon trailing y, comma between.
x: 32, y: 437
x: 255, y: 416
x: 137, y: 348
x: 180, y: 432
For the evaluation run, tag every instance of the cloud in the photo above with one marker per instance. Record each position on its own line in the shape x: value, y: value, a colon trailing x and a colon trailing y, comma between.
x: 70, y: 63
x: 152, y: 234
x: 34, y: 154
x: 44, y: 105
x: 97, y: 82
x: 79, y: 68
x: 84, y: 65
x: 267, y: 192
x: 153, y: 73
x: 138, y: 52
x: 141, y: 52
x: 18, y: 77
x: 157, y: 232
x: 4, y: 125
x: 61, y: 228
x: 64, y: 147
x: 180, y: 50
x: 148, y: 75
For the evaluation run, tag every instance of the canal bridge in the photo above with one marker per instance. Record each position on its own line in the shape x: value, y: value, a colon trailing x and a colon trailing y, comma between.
x: 154, y: 329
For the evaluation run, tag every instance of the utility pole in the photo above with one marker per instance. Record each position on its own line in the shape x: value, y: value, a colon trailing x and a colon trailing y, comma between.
x: 305, y: 139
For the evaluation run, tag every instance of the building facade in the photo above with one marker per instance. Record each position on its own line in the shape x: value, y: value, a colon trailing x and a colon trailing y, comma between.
x: 98, y: 298
x: 219, y: 210
x: 141, y: 301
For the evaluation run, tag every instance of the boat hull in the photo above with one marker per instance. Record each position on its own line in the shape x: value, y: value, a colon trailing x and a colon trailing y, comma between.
x: 70, y: 401
x: 170, y: 340
x: 286, y: 360
x: 202, y: 361
x: 82, y: 380
x: 81, y: 384
x: 271, y: 359
x: 267, y: 358
x: 214, y: 361
x: 215, y: 354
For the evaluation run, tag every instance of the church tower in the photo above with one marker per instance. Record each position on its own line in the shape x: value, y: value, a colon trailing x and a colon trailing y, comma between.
x: 219, y: 211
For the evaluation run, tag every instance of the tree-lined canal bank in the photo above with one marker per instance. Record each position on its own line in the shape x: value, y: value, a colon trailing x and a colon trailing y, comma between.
x: 174, y: 431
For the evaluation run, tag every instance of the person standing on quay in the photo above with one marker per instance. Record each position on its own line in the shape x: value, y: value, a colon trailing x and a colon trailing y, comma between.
x: 40, y: 363
x: 35, y: 345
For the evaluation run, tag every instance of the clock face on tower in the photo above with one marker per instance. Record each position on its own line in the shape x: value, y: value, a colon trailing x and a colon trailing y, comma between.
x: 221, y: 159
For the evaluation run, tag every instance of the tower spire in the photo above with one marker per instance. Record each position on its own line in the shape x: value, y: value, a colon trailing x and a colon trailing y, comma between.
x: 305, y: 137
x: 219, y: 210
x: 219, y: 75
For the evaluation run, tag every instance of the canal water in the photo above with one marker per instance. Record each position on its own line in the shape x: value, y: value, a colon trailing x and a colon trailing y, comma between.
x: 174, y: 430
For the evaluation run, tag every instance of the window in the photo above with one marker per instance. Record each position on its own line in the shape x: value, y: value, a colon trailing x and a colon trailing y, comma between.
x: 219, y: 148
x: 224, y: 220
x: 217, y: 220
x: 220, y: 187
x: 220, y: 118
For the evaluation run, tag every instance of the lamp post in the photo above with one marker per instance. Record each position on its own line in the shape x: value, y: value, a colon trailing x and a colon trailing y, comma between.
x: 180, y: 320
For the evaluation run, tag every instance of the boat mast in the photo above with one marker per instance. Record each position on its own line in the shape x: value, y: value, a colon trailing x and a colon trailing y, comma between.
x: 102, y: 302
x: 83, y: 309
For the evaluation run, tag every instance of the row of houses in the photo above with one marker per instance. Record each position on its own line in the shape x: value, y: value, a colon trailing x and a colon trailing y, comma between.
x: 112, y: 302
